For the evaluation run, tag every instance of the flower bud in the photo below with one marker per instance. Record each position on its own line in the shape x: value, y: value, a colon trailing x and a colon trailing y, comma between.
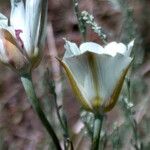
x: 11, y: 54
x: 22, y: 41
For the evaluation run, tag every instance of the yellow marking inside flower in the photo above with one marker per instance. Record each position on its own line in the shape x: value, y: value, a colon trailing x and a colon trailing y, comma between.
x: 96, y: 102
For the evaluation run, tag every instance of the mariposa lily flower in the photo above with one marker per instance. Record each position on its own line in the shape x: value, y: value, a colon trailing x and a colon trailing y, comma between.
x: 22, y: 36
x: 97, y: 73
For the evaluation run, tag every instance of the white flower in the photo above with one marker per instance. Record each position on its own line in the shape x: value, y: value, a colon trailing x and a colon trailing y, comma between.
x: 97, y: 73
x: 23, y: 39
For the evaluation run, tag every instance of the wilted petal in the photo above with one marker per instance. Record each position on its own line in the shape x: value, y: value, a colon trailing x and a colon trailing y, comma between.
x: 10, y: 53
x: 113, y: 48
x: 91, y: 47
x: 6, y: 34
x: 71, y: 49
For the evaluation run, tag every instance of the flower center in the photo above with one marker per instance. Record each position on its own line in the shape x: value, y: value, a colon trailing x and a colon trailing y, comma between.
x: 17, y: 32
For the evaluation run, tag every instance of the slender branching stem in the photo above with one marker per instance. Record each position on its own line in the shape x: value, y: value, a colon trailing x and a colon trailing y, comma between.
x: 62, y: 119
x: 67, y: 141
x: 29, y: 89
x: 97, y: 131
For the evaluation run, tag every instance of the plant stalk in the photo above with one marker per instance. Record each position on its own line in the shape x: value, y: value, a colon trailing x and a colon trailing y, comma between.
x: 29, y: 89
x: 97, y: 131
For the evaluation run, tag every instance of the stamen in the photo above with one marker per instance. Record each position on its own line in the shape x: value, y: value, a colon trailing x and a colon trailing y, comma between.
x: 17, y: 32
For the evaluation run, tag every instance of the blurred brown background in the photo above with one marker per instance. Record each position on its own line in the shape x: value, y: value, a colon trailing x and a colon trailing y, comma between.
x: 20, y: 128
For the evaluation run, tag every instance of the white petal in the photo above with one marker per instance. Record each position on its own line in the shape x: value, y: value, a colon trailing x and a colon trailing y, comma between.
x: 109, y: 72
x: 2, y: 50
x: 17, y: 17
x: 80, y: 69
x: 71, y: 49
x: 3, y: 57
x: 91, y: 47
x: 3, y: 21
x: 130, y: 46
x: 113, y: 48
x: 33, y: 15
x: 42, y: 26
x: 4, y: 24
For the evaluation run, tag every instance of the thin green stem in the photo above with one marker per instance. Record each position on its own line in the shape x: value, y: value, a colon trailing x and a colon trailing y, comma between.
x: 97, y: 131
x: 67, y: 142
x: 58, y: 113
x: 29, y: 89
x: 62, y: 119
